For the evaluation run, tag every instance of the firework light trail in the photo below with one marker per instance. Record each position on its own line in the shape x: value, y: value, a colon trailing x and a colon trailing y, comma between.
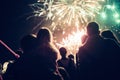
x: 72, y: 42
x: 64, y: 14
x: 67, y: 12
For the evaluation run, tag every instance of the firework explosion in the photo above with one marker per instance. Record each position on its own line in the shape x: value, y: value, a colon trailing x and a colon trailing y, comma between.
x: 64, y: 14
x: 67, y: 12
x: 72, y: 42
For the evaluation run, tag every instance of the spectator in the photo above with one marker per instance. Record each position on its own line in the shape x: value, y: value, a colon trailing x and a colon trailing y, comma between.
x: 30, y: 66
x: 67, y: 63
x: 98, y: 58
x: 110, y: 35
x: 47, y: 50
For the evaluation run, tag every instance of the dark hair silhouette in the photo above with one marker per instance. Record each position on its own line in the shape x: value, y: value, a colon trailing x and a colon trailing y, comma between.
x: 98, y: 58
x: 109, y: 34
x: 44, y: 39
x: 47, y: 49
x: 63, y: 51
x: 92, y: 28
x: 28, y: 43
x: 44, y: 35
x: 71, y: 56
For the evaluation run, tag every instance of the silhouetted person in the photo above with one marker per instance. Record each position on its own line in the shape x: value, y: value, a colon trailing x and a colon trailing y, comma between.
x: 64, y: 73
x: 47, y: 50
x: 67, y: 63
x: 25, y: 68
x: 71, y: 56
x: 96, y: 57
x: 110, y: 35
x: 29, y: 43
x: 72, y: 62
x: 64, y: 61
x: 30, y: 66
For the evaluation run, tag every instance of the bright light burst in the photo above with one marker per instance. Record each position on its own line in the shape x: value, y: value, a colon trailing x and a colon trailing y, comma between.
x: 72, y: 42
x: 67, y: 12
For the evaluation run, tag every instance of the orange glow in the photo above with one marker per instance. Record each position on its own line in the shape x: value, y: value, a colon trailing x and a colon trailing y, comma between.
x: 72, y: 42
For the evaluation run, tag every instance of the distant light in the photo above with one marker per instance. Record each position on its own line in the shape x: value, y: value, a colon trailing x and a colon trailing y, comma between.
x: 113, y: 7
x: 116, y: 15
x: 118, y: 21
x: 108, y: 6
x: 50, y: 15
x: 103, y: 15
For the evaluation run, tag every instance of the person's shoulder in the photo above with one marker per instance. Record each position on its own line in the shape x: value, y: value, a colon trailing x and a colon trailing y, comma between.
x: 110, y: 41
x: 82, y: 47
x: 107, y: 39
x: 81, y: 50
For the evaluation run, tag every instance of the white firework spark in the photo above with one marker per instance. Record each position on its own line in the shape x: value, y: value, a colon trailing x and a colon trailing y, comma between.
x: 67, y: 12
x: 72, y: 42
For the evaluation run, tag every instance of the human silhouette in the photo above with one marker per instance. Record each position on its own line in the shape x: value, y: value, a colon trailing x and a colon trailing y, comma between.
x: 110, y: 35
x: 72, y: 62
x: 24, y: 67
x: 64, y: 61
x: 64, y: 73
x: 30, y: 66
x: 96, y: 57
x: 47, y: 50
x: 71, y: 56
x: 67, y: 63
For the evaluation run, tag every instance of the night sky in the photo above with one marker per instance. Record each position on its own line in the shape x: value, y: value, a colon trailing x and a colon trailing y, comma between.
x: 14, y: 22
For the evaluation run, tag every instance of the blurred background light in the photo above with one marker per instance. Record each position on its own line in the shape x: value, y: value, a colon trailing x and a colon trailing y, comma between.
x: 103, y: 15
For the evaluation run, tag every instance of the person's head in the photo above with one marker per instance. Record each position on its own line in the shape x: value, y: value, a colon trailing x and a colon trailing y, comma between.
x: 63, y: 52
x: 71, y: 56
x: 28, y: 43
x: 44, y: 35
x: 93, y: 29
x: 108, y: 34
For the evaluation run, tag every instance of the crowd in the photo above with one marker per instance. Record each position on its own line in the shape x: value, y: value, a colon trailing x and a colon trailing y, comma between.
x: 97, y: 59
